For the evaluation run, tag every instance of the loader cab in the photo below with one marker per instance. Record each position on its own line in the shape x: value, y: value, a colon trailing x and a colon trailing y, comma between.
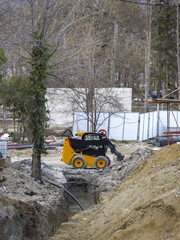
x: 90, y: 144
x: 91, y: 136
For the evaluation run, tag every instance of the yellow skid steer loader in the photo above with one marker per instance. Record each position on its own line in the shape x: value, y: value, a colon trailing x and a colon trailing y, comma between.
x: 88, y: 149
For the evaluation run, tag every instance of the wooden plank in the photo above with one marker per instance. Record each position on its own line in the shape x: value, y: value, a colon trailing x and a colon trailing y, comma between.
x: 175, y: 132
x: 160, y: 100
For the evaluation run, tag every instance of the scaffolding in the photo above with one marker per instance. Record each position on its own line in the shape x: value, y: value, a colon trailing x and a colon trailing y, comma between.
x: 168, y: 103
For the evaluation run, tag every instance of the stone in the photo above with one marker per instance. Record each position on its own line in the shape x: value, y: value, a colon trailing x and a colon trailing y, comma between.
x: 5, y: 162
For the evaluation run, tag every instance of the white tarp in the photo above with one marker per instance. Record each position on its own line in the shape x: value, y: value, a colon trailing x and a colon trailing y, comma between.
x: 131, y: 126
x: 123, y: 126
x: 3, y: 148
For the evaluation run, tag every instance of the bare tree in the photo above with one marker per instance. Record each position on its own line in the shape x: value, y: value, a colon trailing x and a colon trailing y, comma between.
x: 91, y: 71
x: 96, y: 53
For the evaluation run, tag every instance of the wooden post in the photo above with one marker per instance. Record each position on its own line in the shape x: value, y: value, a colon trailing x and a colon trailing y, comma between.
x: 4, y: 119
x: 157, y: 119
x: 168, y: 122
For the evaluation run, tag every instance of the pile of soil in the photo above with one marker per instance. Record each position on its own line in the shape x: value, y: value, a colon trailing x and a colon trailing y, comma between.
x: 144, y: 206
x: 28, y: 209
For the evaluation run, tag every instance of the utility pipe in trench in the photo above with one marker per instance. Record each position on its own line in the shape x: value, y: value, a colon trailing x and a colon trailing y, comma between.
x: 70, y: 194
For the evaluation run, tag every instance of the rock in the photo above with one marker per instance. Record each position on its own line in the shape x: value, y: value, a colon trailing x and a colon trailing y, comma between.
x: 30, y: 193
x: 2, y: 179
x: 5, y: 162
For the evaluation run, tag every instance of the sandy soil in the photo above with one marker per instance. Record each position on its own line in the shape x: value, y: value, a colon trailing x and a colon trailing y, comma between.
x: 145, y: 207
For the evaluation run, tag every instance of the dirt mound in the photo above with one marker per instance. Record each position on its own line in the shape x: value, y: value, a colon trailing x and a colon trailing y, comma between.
x: 29, y: 210
x: 145, y: 207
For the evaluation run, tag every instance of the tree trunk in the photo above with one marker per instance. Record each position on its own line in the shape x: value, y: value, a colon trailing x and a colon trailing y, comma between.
x: 5, y: 127
x: 178, y: 54
x: 147, y: 55
x: 38, y: 121
x: 114, y: 54
x: 36, y: 164
x: 90, y: 97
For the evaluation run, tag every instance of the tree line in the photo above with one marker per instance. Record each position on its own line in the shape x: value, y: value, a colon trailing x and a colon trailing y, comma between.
x: 82, y: 44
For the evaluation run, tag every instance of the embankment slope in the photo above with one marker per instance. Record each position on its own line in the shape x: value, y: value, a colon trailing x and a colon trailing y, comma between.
x: 145, y: 207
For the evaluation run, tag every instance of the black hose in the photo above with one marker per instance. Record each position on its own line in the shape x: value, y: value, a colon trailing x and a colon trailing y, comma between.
x: 70, y: 194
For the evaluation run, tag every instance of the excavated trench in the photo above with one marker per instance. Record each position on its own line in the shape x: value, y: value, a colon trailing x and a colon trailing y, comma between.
x: 85, y: 192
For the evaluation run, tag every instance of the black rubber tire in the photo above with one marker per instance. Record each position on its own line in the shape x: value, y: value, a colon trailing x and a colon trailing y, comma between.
x: 78, y: 162
x: 101, y: 162
x: 109, y: 161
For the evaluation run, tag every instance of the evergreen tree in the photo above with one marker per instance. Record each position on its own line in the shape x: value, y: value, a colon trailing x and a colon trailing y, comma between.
x: 164, y: 46
x: 15, y: 95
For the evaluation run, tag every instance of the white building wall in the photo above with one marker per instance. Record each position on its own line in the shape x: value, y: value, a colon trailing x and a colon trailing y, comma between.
x: 61, y: 103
